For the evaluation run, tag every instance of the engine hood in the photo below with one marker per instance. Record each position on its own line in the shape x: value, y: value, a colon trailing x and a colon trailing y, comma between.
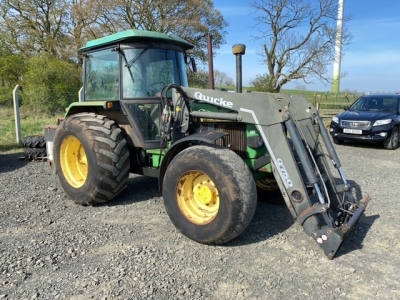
x: 365, y: 115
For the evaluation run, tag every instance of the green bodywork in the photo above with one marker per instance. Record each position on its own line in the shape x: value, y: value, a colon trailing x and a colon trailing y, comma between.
x: 75, y: 105
x: 134, y: 36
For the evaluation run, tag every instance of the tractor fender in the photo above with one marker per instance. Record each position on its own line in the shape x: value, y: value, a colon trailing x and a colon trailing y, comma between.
x: 203, y: 137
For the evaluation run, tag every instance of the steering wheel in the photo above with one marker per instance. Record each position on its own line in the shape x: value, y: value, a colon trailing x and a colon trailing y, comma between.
x: 152, y: 91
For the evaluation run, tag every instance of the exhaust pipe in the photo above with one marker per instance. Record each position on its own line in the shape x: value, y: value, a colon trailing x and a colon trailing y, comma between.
x: 238, y: 50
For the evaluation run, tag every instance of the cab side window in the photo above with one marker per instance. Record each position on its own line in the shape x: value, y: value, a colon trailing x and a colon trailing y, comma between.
x: 101, y: 75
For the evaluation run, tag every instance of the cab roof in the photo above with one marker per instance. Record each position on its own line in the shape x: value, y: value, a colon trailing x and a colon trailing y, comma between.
x: 133, y: 36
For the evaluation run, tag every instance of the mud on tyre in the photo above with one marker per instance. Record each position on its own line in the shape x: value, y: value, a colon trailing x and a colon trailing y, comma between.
x: 209, y: 194
x: 91, y: 158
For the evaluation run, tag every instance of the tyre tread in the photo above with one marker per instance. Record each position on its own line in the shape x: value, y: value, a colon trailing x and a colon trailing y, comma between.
x: 111, y: 157
x: 245, y: 200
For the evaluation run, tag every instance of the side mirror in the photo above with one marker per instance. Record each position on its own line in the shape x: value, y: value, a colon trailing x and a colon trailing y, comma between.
x: 193, y: 63
x: 189, y: 60
x: 346, y: 107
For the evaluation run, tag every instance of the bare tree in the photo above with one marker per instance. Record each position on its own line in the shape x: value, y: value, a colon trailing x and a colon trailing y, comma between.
x: 221, y: 78
x: 298, y: 39
x: 61, y: 27
x: 34, y: 26
x: 191, y: 20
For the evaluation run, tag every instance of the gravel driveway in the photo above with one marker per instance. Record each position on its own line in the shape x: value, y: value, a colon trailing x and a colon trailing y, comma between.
x: 51, y: 248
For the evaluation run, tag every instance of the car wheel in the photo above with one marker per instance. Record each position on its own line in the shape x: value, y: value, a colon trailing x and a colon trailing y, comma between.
x: 393, y: 142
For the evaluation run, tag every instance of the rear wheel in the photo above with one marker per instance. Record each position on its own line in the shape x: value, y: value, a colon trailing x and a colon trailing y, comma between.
x: 91, y: 158
x: 268, y: 190
x: 209, y: 194
x: 393, y: 142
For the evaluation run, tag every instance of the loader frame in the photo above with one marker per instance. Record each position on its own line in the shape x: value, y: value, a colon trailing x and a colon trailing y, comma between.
x: 300, y: 152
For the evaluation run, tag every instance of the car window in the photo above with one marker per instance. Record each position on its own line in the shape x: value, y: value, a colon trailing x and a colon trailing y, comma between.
x: 360, y: 104
x: 376, y: 104
x: 390, y: 104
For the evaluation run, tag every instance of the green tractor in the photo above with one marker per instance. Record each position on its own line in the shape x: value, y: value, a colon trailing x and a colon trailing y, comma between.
x: 209, y: 149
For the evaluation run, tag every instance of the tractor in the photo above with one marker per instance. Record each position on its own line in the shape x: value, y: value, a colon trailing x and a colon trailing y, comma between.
x: 210, y: 149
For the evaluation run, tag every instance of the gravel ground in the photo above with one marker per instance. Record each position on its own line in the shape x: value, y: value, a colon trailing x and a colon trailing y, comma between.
x: 51, y: 248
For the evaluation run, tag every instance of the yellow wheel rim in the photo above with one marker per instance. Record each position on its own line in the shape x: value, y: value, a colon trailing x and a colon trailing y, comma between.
x: 198, y: 197
x: 73, y: 160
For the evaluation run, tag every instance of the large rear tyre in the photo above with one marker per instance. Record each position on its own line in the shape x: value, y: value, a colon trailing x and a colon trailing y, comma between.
x: 268, y: 191
x: 209, y: 194
x: 91, y: 158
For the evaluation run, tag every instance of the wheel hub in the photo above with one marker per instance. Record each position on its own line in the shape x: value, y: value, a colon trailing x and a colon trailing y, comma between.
x: 198, y: 197
x: 73, y: 160
x: 204, y: 193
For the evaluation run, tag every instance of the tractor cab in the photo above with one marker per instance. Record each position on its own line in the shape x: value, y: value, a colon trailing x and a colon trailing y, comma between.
x: 132, y: 68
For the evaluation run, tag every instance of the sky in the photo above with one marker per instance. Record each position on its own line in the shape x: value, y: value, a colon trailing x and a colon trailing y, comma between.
x: 371, y: 61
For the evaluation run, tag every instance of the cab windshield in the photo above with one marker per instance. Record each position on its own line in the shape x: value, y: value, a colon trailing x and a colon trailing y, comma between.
x: 145, y: 71
x: 136, y: 71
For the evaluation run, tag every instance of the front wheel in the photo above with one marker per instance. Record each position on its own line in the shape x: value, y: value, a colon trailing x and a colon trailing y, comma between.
x: 91, y: 158
x: 393, y: 142
x: 209, y: 194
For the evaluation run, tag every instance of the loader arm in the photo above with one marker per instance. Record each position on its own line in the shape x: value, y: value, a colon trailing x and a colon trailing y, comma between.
x: 298, y: 145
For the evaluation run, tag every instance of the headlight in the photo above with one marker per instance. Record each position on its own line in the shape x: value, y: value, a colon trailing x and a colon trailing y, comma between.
x: 382, y: 122
x: 335, y: 119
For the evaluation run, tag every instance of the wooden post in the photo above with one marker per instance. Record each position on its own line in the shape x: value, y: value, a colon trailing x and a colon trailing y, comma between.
x: 315, y: 98
x: 16, y: 114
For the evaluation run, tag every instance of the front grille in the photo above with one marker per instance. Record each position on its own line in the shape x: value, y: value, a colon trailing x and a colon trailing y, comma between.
x: 364, y: 125
x: 236, y: 138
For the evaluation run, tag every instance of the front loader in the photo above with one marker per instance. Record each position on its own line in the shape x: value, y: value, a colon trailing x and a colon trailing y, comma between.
x: 211, y: 150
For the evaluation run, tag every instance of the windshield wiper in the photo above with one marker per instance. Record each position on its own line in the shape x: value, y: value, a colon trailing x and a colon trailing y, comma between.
x: 132, y: 61
x: 125, y: 60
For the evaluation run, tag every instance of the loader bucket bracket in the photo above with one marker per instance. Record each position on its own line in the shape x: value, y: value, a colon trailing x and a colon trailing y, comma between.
x: 313, y: 210
x: 329, y: 240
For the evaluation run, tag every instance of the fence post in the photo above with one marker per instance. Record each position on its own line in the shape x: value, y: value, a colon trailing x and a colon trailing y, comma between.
x: 16, y: 114
x: 315, y: 98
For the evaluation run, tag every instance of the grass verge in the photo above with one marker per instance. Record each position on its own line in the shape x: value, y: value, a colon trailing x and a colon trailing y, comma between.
x: 31, y: 124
